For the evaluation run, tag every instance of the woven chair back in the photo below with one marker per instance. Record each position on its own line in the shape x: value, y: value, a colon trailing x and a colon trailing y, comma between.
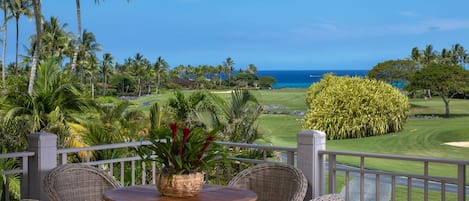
x: 273, y: 182
x: 74, y: 182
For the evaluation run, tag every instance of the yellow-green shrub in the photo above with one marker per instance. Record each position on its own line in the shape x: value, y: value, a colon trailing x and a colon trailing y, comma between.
x: 353, y: 107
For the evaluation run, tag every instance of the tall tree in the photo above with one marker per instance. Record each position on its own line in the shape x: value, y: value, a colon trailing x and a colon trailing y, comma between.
x: 4, y: 27
x: 78, y: 39
x: 88, y: 48
x: 228, y: 67
x: 445, y: 79
x: 251, y: 69
x: 55, y: 38
x: 106, y: 69
x: 37, y: 19
x: 459, y: 54
x: 53, y: 102
x: 429, y: 55
x: 17, y: 9
x: 77, y: 42
x: 395, y: 72
x: 138, y: 69
x: 415, y: 55
x: 161, y: 67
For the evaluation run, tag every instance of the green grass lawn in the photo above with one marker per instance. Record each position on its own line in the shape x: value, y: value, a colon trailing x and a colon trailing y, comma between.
x: 420, y: 137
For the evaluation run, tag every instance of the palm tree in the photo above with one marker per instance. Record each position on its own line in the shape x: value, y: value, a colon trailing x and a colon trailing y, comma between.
x: 415, y: 54
x: 238, y: 116
x: 251, y: 69
x: 185, y: 108
x: 459, y: 53
x: 54, y: 101
x: 54, y: 38
x: 219, y: 71
x: 4, y: 27
x: 77, y: 42
x: 106, y: 69
x: 138, y: 69
x: 116, y: 124
x: 228, y: 66
x: 17, y: 9
x: 91, y: 62
x: 428, y: 54
x: 88, y: 47
x: 161, y: 67
x: 37, y: 19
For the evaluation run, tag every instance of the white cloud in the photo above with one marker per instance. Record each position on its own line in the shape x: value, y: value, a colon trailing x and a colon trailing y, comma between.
x: 408, y: 13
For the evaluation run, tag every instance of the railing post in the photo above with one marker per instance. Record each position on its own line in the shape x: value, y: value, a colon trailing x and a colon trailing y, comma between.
x: 310, y: 142
x: 44, y: 145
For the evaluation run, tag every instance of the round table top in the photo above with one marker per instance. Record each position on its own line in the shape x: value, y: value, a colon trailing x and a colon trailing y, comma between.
x: 150, y: 193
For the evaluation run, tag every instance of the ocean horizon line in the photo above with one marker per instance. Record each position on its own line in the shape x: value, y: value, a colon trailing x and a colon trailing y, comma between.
x: 304, y: 78
x: 314, y: 70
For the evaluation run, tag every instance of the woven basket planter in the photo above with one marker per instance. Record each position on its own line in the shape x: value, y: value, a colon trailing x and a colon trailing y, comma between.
x: 184, y: 185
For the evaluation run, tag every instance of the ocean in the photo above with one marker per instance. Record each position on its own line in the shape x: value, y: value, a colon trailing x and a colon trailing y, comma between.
x: 304, y: 78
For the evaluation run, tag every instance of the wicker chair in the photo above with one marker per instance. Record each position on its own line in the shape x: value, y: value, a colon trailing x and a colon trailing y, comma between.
x: 73, y: 182
x: 329, y: 197
x: 272, y: 182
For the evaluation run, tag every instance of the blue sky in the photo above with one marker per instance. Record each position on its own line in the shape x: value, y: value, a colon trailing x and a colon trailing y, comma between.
x: 272, y: 34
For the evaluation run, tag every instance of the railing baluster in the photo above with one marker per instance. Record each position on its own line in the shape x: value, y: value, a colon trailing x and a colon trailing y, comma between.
x: 332, y: 178
x: 133, y: 172
x: 347, y: 185
x: 409, y: 188
x: 64, y: 159
x: 393, y: 188
x: 87, y: 156
x: 377, y: 185
x: 461, y: 182
x: 7, y: 188
x: 153, y: 171
x: 362, y: 178
x: 111, y: 169
x: 443, y: 190
x: 217, y: 172
x: 425, y: 182
x: 122, y: 173
x: 291, y: 157
x: 24, y: 177
x: 144, y: 173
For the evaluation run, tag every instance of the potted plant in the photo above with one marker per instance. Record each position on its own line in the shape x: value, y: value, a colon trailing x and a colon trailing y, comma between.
x: 181, y: 154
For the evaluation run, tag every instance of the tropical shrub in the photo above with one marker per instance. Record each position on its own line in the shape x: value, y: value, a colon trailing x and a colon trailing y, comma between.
x: 353, y: 107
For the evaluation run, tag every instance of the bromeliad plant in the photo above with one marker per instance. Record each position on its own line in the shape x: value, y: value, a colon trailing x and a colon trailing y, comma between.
x: 182, y: 150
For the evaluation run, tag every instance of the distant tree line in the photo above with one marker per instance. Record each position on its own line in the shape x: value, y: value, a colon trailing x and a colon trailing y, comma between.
x: 136, y: 76
x: 428, y: 72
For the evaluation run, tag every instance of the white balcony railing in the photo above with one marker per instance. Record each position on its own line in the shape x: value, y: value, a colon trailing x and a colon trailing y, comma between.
x: 309, y: 156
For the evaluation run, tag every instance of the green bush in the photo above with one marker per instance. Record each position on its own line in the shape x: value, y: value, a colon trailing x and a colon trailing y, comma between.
x: 353, y: 107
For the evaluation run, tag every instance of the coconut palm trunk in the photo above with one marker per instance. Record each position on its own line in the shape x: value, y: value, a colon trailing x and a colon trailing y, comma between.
x: 77, y: 43
x: 4, y: 40
x: 17, y: 18
x: 37, y: 16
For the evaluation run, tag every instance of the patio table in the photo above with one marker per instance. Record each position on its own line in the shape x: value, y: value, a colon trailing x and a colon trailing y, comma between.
x: 208, y: 193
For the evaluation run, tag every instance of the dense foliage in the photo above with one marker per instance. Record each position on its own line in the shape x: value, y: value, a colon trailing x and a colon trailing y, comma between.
x: 394, y: 72
x: 447, y: 80
x: 352, y: 107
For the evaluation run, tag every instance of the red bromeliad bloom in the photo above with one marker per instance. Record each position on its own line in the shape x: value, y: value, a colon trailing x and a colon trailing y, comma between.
x: 186, y: 131
x: 174, y: 128
x: 209, y: 140
x: 184, y: 150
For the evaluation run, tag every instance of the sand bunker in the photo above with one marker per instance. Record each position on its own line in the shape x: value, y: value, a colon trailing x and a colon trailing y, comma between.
x: 221, y: 92
x: 458, y: 144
